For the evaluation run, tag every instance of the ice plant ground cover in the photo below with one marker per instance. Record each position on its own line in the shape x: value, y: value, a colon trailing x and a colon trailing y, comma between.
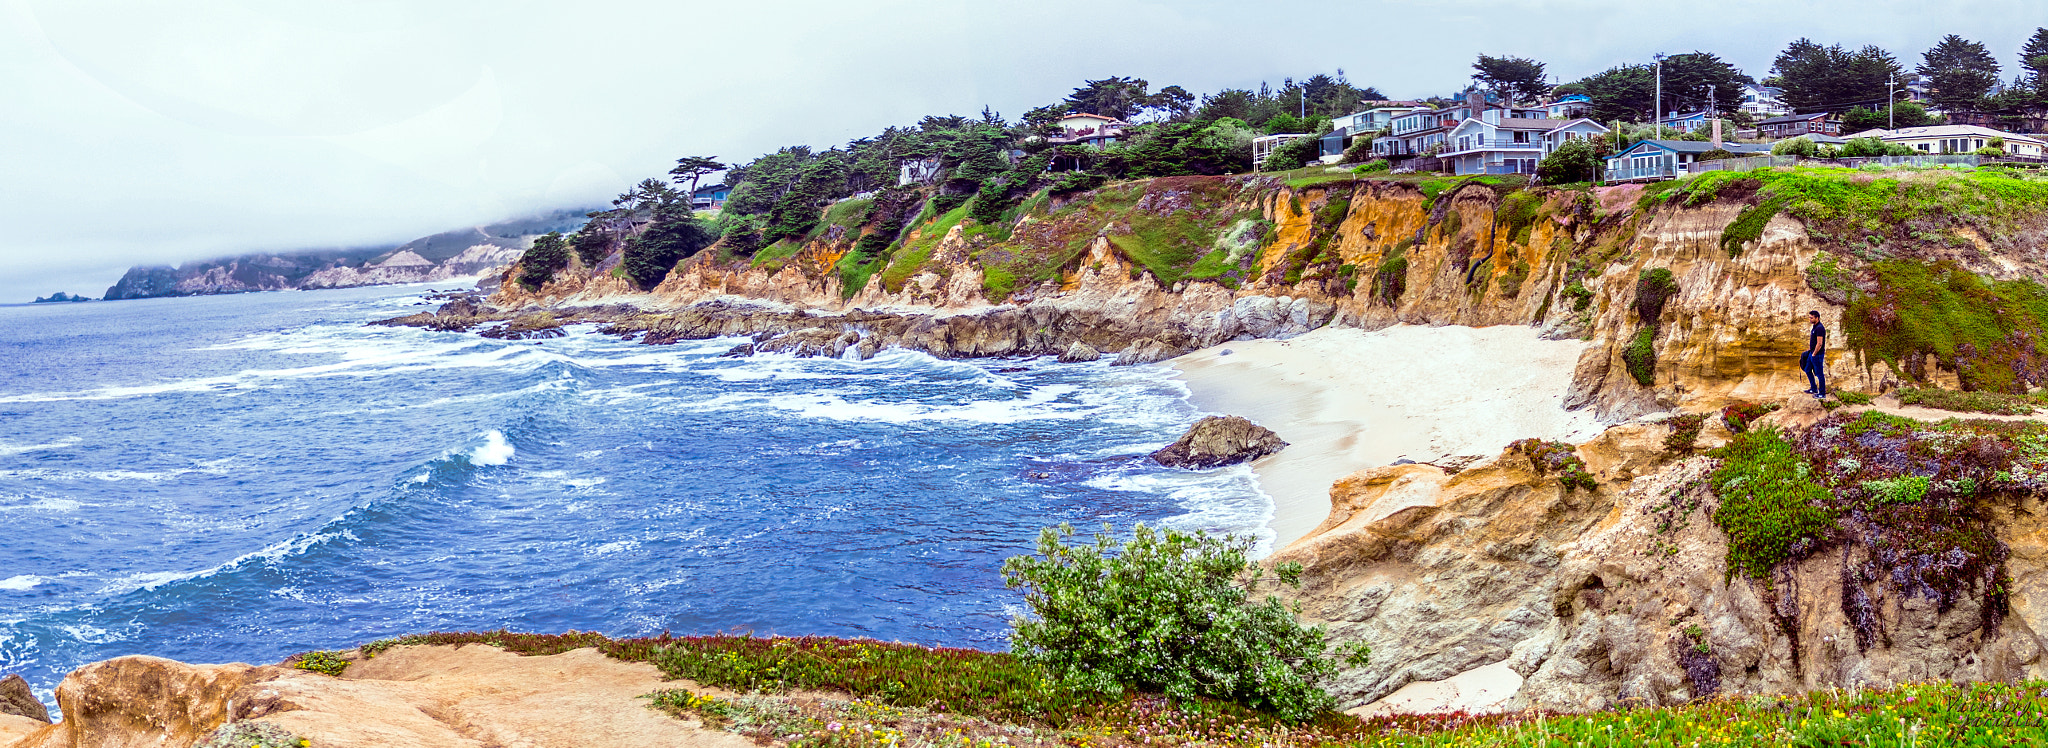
x: 819, y: 692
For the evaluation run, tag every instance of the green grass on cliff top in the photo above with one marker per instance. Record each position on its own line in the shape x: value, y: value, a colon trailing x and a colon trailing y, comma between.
x: 1871, y: 206
x: 906, y: 695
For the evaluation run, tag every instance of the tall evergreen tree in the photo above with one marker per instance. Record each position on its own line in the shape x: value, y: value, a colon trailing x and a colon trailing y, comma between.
x: 1825, y: 79
x: 1115, y: 96
x: 2034, y: 59
x: 1518, y: 79
x: 1961, y: 71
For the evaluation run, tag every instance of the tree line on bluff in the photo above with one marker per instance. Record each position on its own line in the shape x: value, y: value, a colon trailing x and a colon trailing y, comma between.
x: 989, y: 165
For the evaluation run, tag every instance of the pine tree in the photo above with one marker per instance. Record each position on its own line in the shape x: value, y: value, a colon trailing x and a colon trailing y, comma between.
x: 1961, y: 71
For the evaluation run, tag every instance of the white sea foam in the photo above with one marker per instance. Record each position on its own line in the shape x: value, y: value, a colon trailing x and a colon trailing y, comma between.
x: 494, y: 451
x: 17, y: 449
x: 150, y: 580
x: 21, y: 582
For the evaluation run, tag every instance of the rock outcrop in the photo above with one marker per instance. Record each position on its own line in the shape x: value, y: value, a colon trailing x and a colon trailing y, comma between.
x: 1497, y: 586
x: 1217, y: 441
x: 17, y: 700
x: 421, y: 697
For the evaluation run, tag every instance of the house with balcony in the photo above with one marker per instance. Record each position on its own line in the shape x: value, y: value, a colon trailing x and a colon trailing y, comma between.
x: 1763, y: 102
x: 1086, y: 129
x: 1654, y: 160
x: 1348, y: 127
x: 1425, y: 132
x: 1494, y: 143
x: 710, y: 196
x: 1568, y: 108
x: 1795, y: 125
x: 1264, y: 146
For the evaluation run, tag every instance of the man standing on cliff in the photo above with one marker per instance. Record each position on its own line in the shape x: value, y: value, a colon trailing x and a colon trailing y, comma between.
x: 1814, y: 360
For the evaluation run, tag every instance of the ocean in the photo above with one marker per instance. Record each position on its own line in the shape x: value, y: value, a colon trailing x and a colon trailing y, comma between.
x: 241, y: 478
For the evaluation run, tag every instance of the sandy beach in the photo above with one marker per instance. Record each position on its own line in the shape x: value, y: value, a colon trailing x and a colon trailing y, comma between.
x: 1348, y: 399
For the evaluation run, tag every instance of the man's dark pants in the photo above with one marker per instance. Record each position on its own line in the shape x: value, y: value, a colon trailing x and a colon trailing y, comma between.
x: 1815, y: 366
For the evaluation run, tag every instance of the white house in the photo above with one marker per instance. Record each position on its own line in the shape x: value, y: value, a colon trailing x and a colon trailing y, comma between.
x: 1763, y: 102
x: 1089, y: 129
x: 1569, y: 107
x: 1496, y: 144
x: 1264, y: 146
x: 1958, y: 139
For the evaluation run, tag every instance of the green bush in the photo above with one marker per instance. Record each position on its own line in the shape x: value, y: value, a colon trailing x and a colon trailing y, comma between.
x: 321, y: 661
x: 1375, y: 166
x: 1575, y: 161
x: 1850, y: 397
x: 1170, y: 612
x: 674, y: 235
x: 1641, y: 356
x: 1653, y: 287
x: 1557, y: 458
x: 1996, y: 403
x: 1580, y: 295
x: 1904, y: 489
x: 548, y: 254
x: 1685, y: 432
x: 1801, y: 146
x: 1769, y: 502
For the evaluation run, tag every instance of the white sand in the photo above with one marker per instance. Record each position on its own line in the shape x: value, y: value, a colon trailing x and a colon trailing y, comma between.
x: 1347, y: 399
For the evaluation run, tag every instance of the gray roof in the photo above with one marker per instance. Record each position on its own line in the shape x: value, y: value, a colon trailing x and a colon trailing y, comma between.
x: 1702, y: 146
x: 1795, y: 118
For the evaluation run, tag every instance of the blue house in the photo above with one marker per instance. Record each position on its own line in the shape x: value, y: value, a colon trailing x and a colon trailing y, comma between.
x: 1653, y: 160
x: 710, y: 196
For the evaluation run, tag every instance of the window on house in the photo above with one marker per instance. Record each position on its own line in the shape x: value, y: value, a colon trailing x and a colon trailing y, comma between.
x: 1521, y: 136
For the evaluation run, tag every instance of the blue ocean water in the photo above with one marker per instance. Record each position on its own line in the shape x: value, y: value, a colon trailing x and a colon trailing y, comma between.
x: 239, y: 478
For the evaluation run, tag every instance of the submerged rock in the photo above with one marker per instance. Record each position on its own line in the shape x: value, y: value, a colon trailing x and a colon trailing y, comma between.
x: 742, y: 350
x: 1217, y: 441
x: 16, y: 699
x: 1078, y: 353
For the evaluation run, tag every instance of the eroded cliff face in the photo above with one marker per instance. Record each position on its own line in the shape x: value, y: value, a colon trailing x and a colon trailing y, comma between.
x: 1496, y: 587
x: 1277, y: 261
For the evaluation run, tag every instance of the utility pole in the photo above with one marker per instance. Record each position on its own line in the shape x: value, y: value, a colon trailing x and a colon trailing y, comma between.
x: 1658, y: 130
x: 1714, y: 110
x: 1890, y: 120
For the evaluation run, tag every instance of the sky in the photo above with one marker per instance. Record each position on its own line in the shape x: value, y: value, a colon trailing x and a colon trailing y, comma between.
x: 161, y: 131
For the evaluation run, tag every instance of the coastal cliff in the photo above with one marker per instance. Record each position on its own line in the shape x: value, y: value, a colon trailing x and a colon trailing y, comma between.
x: 1164, y: 266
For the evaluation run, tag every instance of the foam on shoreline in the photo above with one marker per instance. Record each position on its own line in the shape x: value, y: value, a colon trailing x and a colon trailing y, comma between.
x: 1348, y: 399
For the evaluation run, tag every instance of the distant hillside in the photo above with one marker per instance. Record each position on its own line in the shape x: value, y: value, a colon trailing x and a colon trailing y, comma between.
x: 460, y: 252
x: 509, y: 234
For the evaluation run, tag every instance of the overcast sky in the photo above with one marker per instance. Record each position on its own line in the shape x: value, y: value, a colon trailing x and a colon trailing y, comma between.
x: 159, y: 131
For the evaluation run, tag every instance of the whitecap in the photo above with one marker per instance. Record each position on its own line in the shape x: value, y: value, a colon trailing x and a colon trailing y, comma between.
x: 494, y: 451
x: 16, y: 449
x: 21, y: 582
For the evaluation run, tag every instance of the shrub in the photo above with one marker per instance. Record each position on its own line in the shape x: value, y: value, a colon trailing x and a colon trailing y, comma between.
x: 1801, y: 146
x: 1653, y: 287
x: 673, y: 235
x: 1904, y: 489
x: 1851, y: 397
x: 592, y: 244
x: 1641, y: 356
x: 1739, y: 415
x: 1768, y: 502
x: 548, y: 254
x: 321, y: 661
x: 1559, y: 458
x: 1863, y: 147
x: 1375, y: 166
x: 1575, y: 161
x: 1748, y: 225
x: 1390, y: 280
x: 1580, y: 295
x: 1966, y: 402
x: 1989, y: 151
x: 1685, y: 431
x: 1172, y: 612
x: 1829, y: 279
